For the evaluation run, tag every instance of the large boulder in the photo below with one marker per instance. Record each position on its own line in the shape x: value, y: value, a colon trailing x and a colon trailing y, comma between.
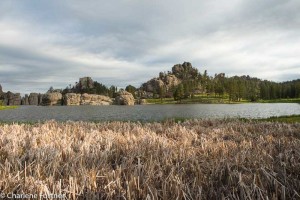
x: 51, y: 99
x: 124, y: 98
x: 33, y: 99
x: 94, y: 99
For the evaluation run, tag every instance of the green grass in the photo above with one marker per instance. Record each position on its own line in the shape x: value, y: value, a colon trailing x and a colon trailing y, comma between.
x: 212, y: 99
x: 285, y: 119
x: 207, y: 99
x: 294, y: 100
x: 163, y: 101
x: 8, y: 107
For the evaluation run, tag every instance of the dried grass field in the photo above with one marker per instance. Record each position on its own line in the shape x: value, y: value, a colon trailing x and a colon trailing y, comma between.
x: 195, y: 159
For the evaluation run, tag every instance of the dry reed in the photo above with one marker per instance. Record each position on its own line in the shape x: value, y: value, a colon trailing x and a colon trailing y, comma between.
x: 195, y: 159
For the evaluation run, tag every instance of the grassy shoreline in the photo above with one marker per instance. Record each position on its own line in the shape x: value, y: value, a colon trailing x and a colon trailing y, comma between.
x: 7, y: 107
x: 194, y: 159
x: 215, y: 100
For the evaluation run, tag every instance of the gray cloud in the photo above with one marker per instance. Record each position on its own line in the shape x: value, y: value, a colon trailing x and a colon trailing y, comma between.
x: 123, y: 42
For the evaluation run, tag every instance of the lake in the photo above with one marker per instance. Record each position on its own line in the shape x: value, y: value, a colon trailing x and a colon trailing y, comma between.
x: 148, y: 112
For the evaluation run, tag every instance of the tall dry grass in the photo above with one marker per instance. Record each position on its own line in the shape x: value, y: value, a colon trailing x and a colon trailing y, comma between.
x: 196, y: 159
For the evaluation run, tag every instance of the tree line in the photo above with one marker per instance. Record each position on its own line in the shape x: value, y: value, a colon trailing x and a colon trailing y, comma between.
x: 237, y: 88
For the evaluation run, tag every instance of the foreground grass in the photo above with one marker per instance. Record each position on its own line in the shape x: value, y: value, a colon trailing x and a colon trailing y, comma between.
x: 195, y: 159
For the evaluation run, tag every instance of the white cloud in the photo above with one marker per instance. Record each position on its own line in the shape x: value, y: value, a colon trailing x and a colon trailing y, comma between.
x: 129, y: 41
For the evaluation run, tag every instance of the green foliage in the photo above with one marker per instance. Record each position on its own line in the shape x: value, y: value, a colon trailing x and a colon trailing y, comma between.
x: 179, y: 93
x: 162, y: 92
x: 112, y: 91
x: 131, y: 89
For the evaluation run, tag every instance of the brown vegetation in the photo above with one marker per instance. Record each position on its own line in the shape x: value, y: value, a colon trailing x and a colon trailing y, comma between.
x: 196, y: 159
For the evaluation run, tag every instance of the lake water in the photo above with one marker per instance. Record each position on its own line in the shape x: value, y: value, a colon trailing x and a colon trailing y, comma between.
x: 148, y: 112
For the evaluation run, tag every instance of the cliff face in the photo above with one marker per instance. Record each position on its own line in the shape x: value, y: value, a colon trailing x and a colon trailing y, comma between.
x: 72, y: 99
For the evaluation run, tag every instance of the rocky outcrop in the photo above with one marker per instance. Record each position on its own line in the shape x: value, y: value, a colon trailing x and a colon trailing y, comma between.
x: 86, y: 83
x: 86, y: 99
x: 12, y: 99
x: 153, y: 85
x: 33, y: 99
x: 51, y: 99
x: 25, y: 100
x: 72, y: 99
x: 184, y: 71
x: 1, y: 89
x: 124, y: 98
x: 166, y: 82
x: 93, y: 99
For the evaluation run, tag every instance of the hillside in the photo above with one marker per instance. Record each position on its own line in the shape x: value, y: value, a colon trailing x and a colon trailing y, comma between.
x: 184, y: 81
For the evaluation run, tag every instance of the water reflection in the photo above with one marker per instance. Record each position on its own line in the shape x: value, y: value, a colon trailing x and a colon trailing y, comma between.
x: 148, y: 112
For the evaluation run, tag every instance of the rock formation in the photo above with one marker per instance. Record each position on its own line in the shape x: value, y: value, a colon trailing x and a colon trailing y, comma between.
x: 86, y: 99
x: 184, y: 71
x: 25, y: 100
x: 93, y: 99
x: 165, y: 81
x: 1, y: 89
x: 72, y: 99
x: 51, y: 99
x: 12, y: 99
x: 86, y: 83
x: 124, y: 98
x: 33, y: 99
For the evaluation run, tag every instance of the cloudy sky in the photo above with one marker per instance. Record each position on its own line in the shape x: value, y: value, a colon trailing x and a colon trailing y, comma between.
x: 53, y: 43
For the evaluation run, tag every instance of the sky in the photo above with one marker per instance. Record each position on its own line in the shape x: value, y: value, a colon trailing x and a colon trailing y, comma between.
x: 121, y: 42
